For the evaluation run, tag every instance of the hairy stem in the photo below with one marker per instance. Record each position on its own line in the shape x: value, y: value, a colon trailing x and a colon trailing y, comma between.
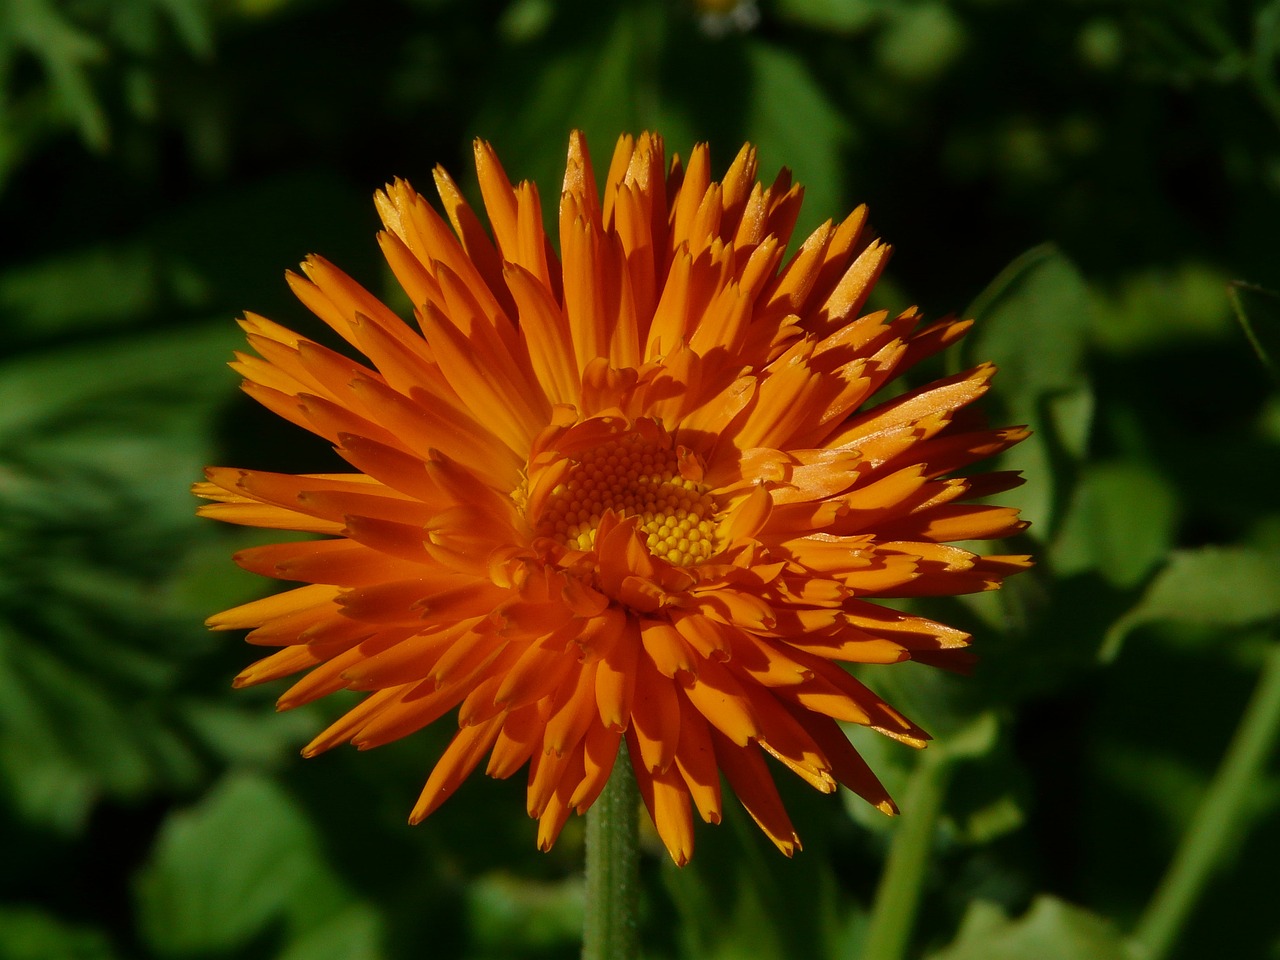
x: 898, y: 895
x: 609, y: 926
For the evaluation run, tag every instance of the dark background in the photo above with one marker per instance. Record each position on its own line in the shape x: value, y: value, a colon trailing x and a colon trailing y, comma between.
x: 1098, y: 182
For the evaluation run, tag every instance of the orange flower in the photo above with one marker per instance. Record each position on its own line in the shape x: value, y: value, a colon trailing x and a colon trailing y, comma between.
x: 634, y: 491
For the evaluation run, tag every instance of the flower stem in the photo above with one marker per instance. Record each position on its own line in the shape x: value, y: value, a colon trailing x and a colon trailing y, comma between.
x: 1218, y: 819
x: 898, y: 895
x: 609, y: 926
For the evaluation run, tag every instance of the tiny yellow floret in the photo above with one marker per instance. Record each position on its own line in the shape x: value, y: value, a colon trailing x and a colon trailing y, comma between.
x: 633, y: 477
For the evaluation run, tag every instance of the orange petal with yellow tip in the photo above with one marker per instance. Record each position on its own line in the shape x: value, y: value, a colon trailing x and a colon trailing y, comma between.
x: 667, y: 799
x: 419, y: 705
x: 655, y: 717
x: 718, y: 695
x: 571, y: 710
x: 696, y: 761
x: 616, y: 678
x: 745, y: 770
x: 558, y: 807
x: 282, y: 663
x: 257, y: 612
x: 847, y: 765
x: 599, y: 750
x: 520, y: 736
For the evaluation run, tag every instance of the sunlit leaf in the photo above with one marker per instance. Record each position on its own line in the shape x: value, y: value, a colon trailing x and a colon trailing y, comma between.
x: 353, y: 933
x: 591, y: 72
x: 792, y: 121
x: 243, y: 859
x: 1033, y: 323
x: 1050, y: 930
x: 1160, y: 307
x: 1212, y: 586
x: 1120, y: 522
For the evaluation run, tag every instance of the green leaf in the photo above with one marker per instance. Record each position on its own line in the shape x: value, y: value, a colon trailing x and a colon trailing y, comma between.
x: 69, y: 733
x: 243, y: 862
x: 1001, y: 815
x: 792, y: 121
x: 1120, y: 522
x: 509, y: 915
x: 80, y: 291
x: 920, y: 41
x: 1050, y: 930
x: 192, y: 20
x: 30, y: 934
x: 354, y: 933
x: 841, y: 16
x: 597, y: 73
x: 1212, y: 586
x: 1262, y: 58
x: 98, y: 446
x: 152, y: 380
x: 1258, y: 311
x: 238, y: 731
x: 1162, y: 306
x: 1033, y: 323
x: 66, y: 54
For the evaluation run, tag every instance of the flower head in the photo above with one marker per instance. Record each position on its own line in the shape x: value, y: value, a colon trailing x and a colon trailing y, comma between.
x: 638, y: 491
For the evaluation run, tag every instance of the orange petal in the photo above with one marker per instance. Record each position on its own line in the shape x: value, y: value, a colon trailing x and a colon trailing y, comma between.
x: 459, y: 759
x: 746, y: 772
x: 667, y: 799
x: 616, y: 677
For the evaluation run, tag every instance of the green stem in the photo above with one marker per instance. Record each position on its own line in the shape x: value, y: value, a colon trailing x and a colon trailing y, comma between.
x: 609, y: 925
x: 898, y: 895
x: 1217, y: 822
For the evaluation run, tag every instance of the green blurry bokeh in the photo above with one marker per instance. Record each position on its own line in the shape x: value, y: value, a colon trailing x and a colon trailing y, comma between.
x: 1098, y: 182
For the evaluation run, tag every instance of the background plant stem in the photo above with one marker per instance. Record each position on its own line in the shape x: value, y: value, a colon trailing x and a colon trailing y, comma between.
x: 1222, y: 814
x: 609, y: 925
x: 898, y: 895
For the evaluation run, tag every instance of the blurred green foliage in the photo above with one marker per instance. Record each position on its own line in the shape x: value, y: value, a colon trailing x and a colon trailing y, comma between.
x: 1114, y: 165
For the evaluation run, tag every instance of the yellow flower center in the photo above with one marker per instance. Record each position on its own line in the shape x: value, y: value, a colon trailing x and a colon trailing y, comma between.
x: 633, y: 477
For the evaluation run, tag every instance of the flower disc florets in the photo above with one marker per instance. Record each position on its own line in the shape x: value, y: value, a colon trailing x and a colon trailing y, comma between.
x: 641, y: 490
x: 636, y: 472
